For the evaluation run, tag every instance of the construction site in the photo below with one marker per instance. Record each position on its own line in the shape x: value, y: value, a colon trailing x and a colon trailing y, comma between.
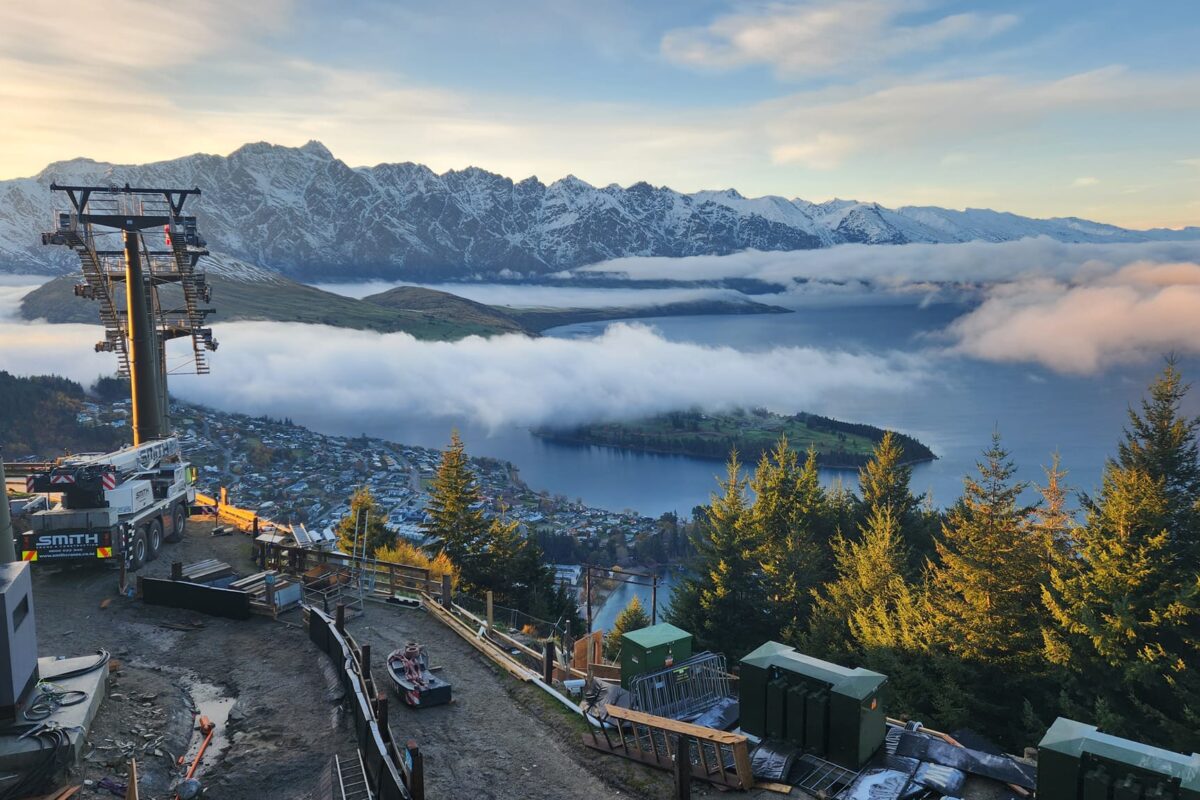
x: 162, y: 643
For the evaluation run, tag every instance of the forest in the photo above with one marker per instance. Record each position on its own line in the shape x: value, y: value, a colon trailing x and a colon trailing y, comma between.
x: 39, y: 417
x: 751, y: 432
x: 998, y: 613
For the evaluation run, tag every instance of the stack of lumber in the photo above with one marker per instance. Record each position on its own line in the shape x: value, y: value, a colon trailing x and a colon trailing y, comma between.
x: 287, y: 592
x: 206, y: 571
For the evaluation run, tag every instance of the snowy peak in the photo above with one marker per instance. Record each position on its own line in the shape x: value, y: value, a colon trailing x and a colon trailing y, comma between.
x: 302, y: 212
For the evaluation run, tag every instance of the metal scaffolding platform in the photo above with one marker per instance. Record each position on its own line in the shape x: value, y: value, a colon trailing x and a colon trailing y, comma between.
x: 169, y: 248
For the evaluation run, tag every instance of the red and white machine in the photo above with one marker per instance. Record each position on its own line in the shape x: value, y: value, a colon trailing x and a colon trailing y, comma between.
x: 123, y: 504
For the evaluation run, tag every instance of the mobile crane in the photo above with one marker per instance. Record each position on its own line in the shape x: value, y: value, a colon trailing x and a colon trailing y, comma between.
x: 127, y: 503
x: 123, y: 504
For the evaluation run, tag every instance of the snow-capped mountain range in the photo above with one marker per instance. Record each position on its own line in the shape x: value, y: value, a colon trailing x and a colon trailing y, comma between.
x: 304, y: 213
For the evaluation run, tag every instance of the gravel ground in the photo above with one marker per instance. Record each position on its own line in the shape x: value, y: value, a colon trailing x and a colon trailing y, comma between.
x: 500, y: 738
x: 284, y: 721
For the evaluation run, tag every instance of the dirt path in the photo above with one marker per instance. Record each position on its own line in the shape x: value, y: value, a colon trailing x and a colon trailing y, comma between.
x: 284, y: 720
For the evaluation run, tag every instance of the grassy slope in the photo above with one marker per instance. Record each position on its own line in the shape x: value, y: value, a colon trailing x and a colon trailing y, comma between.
x: 714, y: 435
x: 281, y: 300
x: 419, y: 300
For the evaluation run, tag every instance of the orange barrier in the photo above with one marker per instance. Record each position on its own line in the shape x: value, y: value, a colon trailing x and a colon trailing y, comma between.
x: 241, y: 518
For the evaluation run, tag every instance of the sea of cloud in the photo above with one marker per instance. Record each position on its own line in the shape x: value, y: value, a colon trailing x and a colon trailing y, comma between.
x: 1075, y: 308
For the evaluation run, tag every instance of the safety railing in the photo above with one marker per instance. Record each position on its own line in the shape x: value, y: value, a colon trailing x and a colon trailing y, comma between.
x: 685, y: 690
x: 395, y: 771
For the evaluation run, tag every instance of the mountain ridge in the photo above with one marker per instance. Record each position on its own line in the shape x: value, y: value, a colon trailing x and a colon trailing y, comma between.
x: 304, y: 213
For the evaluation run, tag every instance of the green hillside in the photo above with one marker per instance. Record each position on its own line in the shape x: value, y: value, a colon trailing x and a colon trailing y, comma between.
x: 694, y: 433
x: 283, y: 300
x: 443, y: 305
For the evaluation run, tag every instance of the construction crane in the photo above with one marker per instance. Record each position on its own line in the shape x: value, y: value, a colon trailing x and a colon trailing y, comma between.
x: 160, y: 246
x: 127, y: 503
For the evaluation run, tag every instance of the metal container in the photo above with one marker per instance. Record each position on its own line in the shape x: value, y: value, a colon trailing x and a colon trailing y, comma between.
x: 1078, y: 762
x: 651, y: 649
x: 822, y: 708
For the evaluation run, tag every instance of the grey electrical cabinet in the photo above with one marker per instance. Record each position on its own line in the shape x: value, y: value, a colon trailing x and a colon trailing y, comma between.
x: 1078, y: 762
x: 18, y: 637
x: 822, y: 708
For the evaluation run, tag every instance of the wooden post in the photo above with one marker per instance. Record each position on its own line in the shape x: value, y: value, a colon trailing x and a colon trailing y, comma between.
x: 446, y: 598
x: 683, y: 767
x: 339, y: 618
x: 416, y: 778
x: 176, y: 570
x: 548, y: 662
x: 392, y: 579
x: 364, y: 660
x: 587, y: 583
x: 381, y: 715
x: 489, y: 611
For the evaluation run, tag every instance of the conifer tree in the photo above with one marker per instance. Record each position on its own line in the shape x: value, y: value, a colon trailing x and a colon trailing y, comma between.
x: 456, y: 525
x: 786, y: 518
x: 990, y: 569
x: 1125, y: 613
x: 1162, y: 443
x: 632, y: 618
x: 884, y: 481
x: 723, y: 603
x: 868, y: 570
x: 364, y: 525
x: 885, y: 485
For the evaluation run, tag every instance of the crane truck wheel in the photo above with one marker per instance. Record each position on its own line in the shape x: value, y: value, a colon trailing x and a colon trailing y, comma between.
x: 137, y: 550
x: 178, y: 520
x: 154, y: 539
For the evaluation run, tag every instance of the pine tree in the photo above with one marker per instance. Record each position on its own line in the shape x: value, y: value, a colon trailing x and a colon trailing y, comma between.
x: 787, y: 517
x: 884, y: 481
x: 633, y: 617
x: 990, y: 569
x: 856, y: 604
x: 723, y: 603
x: 363, y: 530
x: 885, y: 485
x: 1162, y: 443
x: 1125, y: 614
x: 456, y: 525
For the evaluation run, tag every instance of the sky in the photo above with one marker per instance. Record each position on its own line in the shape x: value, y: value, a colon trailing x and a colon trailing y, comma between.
x: 1041, y: 107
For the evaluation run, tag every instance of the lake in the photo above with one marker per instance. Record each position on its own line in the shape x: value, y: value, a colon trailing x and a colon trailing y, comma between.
x: 954, y: 411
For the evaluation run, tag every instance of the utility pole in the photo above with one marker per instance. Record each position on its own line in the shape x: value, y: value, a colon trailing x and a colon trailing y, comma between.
x: 587, y: 583
x: 654, y: 599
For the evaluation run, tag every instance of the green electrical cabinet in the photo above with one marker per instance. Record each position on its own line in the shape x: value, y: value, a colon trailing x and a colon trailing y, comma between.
x: 834, y: 712
x: 651, y: 649
x: 1078, y: 762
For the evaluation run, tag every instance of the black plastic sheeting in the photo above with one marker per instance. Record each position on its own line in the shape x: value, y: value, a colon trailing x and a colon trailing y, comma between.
x: 772, y: 761
x: 974, y: 762
x: 721, y: 716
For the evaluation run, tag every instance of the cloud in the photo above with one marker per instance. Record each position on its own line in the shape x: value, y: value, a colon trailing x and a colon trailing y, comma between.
x: 336, y: 376
x: 903, y: 266
x: 1080, y: 329
x: 1085, y: 181
x: 800, y: 39
x: 824, y: 129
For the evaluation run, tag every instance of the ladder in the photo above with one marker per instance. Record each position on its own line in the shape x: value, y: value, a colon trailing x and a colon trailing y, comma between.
x: 351, y: 778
